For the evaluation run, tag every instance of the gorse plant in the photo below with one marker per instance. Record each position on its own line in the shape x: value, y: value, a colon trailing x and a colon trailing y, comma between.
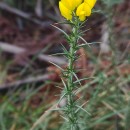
x: 75, y: 12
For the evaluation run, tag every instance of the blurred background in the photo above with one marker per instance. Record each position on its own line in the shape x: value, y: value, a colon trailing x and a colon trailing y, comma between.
x: 28, y: 80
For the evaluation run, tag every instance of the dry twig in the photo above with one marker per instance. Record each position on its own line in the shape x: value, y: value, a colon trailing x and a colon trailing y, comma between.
x: 19, y: 50
x: 43, y: 116
x: 22, y: 14
x: 24, y: 81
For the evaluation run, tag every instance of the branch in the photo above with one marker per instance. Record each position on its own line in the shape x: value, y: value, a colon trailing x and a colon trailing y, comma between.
x: 22, y: 14
x: 17, y: 50
x: 24, y: 81
x: 43, y: 116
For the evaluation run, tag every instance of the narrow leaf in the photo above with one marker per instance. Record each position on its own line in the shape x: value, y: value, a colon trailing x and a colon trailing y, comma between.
x: 56, y: 66
x: 83, y: 109
x: 60, y: 30
x: 64, y: 118
x: 77, y: 78
x: 64, y: 83
x: 84, y: 40
x: 82, y: 79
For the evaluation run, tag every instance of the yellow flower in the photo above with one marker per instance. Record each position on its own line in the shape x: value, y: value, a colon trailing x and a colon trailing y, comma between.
x: 71, y: 4
x: 91, y: 3
x: 83, y: 10
x: 77, y: 2
x: 67, y: 6
x: 65, y: 12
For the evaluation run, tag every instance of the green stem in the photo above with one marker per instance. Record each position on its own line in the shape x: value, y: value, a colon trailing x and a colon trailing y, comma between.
x: 72, y: 116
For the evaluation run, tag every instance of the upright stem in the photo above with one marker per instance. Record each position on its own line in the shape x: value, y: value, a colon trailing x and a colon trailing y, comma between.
x: 71, y: 106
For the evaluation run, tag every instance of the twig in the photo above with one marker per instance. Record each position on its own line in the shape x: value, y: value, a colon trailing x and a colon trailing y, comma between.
x: 24, y: 81
x: 43, y: 116
x: 125, y: 51
x: 22, y: 14
x: 105, y: 47
x: 19, y: 50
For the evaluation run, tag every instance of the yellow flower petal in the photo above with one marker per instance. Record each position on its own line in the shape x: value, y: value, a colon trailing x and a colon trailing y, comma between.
x: 82, y: 18
x: 65, y: 12
x: 77, y: 2
x: 71, y: 4
x: 83, y: 10
x: 91, y: 3
x: 68, y: 4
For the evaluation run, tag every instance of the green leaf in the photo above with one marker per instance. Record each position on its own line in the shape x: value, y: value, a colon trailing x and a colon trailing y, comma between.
x: 64, y: 83
x: 77, y: 78
x: 80, y: 107
x: 84, y: 40
x: 56, y: 65
x: 83, y: 79
x: 60, y: 30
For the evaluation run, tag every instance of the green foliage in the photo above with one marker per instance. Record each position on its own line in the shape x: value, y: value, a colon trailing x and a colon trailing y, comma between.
x: 10, y: 2
x: 110, y: 3
x: 127, y: 125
